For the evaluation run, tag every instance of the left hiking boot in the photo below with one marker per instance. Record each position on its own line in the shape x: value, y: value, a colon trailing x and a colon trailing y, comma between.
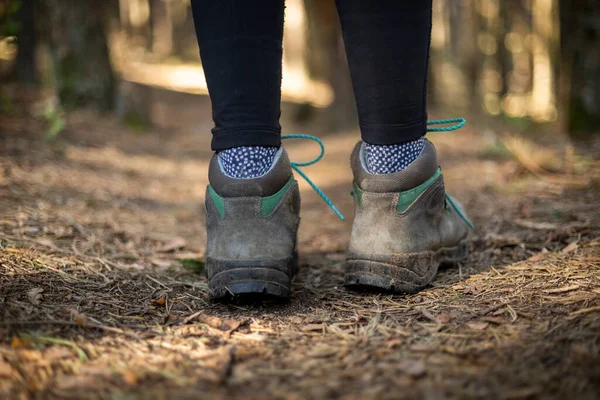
x: 405, y: 226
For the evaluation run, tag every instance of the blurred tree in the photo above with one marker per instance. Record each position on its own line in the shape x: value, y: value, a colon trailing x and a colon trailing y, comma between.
x: 162, y: 28
x: 25, y: 68
x: 79, y: 46
x: 326, y: 61
x: 580, y: 65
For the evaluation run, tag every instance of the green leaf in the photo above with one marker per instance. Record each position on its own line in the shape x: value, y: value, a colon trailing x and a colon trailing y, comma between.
x: 192, y: 264
x: 56, y: 127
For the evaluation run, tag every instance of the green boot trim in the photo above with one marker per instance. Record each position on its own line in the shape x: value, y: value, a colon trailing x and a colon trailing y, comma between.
x: 217, y: 201
x: 268, y: 204
x: 408, y: 197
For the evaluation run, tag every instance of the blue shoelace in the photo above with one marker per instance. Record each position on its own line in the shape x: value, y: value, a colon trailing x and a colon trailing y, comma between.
x: 460, y: 122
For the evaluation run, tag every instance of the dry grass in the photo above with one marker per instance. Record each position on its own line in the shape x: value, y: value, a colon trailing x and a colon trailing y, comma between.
x: 94, y: 302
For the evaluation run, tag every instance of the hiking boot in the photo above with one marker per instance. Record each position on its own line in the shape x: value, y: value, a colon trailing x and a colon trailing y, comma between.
x: 251, y: 230
x: 404, y: 227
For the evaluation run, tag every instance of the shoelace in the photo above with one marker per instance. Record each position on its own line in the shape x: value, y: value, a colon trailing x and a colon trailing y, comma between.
x: 296, y: 166
x: 460, y: 122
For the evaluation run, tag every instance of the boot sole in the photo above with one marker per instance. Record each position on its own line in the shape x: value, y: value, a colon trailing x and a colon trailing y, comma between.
x: 399, y: 273
x: 250, y: 280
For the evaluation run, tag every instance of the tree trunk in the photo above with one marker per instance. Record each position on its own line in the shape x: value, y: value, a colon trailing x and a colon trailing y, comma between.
x: 82, y: 69
x: 25, y: 67
x: 162, y: 29
x: 326, y: 60
x: 580, y: 66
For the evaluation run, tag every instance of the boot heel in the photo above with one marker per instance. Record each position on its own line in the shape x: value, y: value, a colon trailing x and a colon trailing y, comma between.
x: 250, y: 280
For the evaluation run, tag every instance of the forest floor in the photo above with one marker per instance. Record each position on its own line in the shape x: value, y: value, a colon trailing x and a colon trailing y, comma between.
x: 101, y: 234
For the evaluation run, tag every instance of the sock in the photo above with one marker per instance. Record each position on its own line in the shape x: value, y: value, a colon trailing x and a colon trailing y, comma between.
x: 387, y: 159
x: 247, y: 161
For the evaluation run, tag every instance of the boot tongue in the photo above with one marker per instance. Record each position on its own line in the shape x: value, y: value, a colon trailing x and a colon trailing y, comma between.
x: 412, y: 176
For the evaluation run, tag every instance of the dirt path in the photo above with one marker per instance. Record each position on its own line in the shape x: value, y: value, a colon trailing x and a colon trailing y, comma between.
x: 95, y: 302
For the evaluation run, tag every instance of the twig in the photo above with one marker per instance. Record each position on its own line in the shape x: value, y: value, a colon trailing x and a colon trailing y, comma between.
x: 192, y: 317
x: 585, y: 310
x: 490, y: 309
x: 160, y: 283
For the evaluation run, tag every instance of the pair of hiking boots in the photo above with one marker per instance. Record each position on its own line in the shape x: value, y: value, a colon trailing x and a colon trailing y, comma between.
x: 405, y: 225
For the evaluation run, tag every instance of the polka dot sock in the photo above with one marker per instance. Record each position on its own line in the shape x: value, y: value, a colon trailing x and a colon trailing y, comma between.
x: 392, y: 158
x: 248, y: 161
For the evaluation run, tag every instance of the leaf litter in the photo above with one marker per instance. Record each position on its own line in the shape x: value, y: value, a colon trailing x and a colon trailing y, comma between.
x: 93, y: 306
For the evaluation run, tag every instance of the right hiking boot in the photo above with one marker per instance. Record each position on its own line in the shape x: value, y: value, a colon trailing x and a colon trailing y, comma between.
x: 405, y: 225
x: 252, y: 227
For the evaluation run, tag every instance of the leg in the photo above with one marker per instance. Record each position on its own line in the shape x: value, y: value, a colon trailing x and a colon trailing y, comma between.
x: 241, y: 48
x: 405, y: 225
x: 252, y: 202
x: 387, y: 44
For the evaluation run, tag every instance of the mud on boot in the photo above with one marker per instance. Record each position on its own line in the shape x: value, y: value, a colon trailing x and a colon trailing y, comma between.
x: 405, y: 225
x: 252, y: 226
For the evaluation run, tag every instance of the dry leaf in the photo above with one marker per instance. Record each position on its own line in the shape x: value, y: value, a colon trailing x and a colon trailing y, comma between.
x: 57, y: 353
x: 420, y: 347
x: 227, y: 326
x: 30, y: 355
x: 413, y: 368
x: 477, y: 326
x: 177, y: 243
x: 129, y: 377
x: 217, y: 323
x: 18, y: 343
x: 48, y: 243
x: 191, y: 330
x: 6, y: 370
x: 35, y: 296
x: 442, y: 318
x: 381, y: 352
x: 189, y: 255
x: 571, y: 247
x: 161, y: 263
x: 79, y: 318
x: 537, y: 257
x: 312, y: 327
x: 495, y: 320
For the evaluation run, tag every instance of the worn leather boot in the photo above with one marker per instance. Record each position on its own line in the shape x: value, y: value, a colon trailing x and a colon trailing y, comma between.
x: 405, y: 225
x: 252, y: 226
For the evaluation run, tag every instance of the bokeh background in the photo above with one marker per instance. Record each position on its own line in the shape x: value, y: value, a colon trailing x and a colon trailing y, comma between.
x: 512, y: 64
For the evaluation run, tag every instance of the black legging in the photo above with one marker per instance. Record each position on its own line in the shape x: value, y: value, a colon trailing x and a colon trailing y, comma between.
x: 387, y: 44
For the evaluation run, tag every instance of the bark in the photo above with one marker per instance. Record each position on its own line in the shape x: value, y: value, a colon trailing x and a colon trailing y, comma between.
x: 162, y: 29
x: 580, y: 66
x: 25, y: 67
x: 79, y: 46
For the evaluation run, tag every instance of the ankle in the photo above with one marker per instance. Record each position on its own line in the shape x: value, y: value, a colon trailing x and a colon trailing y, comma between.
x: 387, y: 159
x: 247, y: 161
